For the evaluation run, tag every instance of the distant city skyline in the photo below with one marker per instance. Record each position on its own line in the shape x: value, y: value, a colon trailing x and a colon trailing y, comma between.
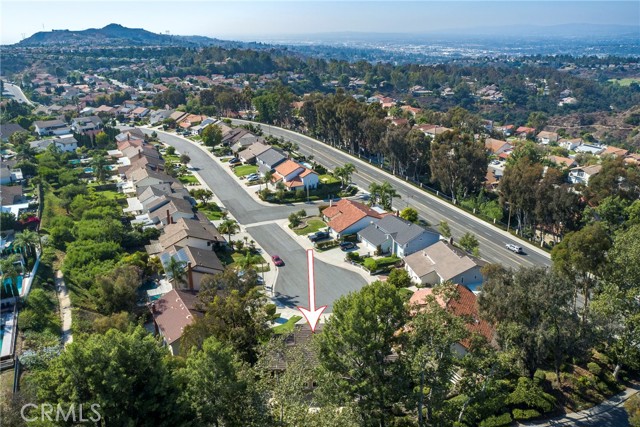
x: 264, y: 20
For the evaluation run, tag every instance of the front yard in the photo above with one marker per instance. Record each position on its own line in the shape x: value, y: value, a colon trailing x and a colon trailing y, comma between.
x: 312, y: 225
x: 245, y: 170
x: 189, y: 179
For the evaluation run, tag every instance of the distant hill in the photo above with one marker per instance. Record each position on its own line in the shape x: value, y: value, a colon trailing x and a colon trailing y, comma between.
x: 117, y: 35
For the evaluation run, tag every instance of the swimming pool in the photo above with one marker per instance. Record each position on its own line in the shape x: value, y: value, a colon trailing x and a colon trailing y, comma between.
x: 7, y: 284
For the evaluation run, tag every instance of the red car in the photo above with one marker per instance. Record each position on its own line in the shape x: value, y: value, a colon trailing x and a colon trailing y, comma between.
x: 277, y: 260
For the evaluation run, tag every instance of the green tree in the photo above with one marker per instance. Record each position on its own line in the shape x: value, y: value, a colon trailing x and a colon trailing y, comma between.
x: 176, y: 272
x: 202, y: 194
x: 632, y: 406
x: 116, y: 291
x: 444, y: 229
x: 355, y: 343
x: 126, y: 373
x: 7, y: 221
x: 469, y: 242
x: 28, y: 240
x: 581, y: 258
x: 219, y: 389
x: 184, y: 159
x: 98, y: 165
x: 399, y: 278
x: 434, y: 332
x: 410, y: 214
x: 211, y: 135
x: 344, y: 173
x: 458, y: 163
x: 102, y: 139
x: 229, y: 227
x: 10, y: 273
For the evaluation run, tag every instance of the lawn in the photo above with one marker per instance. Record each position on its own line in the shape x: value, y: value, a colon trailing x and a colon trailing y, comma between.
x: 328, y: 179
x: 211, y: 210
x: 626, y: 82
x: 287, y: 328
x: 313, y: 225
x: 189, y: 179
x: 111, y: 195
x: 245, y: 170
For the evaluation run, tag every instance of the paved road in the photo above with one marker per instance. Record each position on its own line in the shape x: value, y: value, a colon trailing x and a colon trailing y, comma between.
x: 16, y: 93
x: 291, y: 285
x: 492, y: 240
x: 331, y: 281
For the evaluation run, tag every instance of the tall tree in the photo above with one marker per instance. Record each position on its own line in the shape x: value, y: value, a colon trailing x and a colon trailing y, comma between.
x: 220, y: 389
x: 176, y: 272
x: 458, y: 163
x: 229, y: 227
x: 355, y: 344
x: 125, y: 373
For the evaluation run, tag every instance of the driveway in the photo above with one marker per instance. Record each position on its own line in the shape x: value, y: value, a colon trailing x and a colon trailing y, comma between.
x: 291, y: 288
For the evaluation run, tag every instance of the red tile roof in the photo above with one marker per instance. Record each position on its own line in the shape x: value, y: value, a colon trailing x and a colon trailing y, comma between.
x: 463, y: 305
x: 345, y: 213
x: 286, y: 167
x: 171, y: 315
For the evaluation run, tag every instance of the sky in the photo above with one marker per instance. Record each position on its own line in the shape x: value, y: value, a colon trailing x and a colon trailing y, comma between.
x: 253, y: 20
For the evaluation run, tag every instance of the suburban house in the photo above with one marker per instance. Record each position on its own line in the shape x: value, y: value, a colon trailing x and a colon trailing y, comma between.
x: 249, y: 154
x: 245, y: 141
x: 295, y: 176
x: 86, y: 124
x: 582, y: 174
x: 506, y: 130
x: 11, y: 195
x: 570, y: 144
x: 139, y: 113
x: 397, y: 236
x: 105, y: 109
x: 168, y: 210
x: 197, y: 262
x: 463, y: 304
x: 545, y: 137
x: 143, y: 177
x: 269, y: 159
x: 614, y: 151
x: 159, y: 116
x: 187, y: 232
x: 589, y: 149
x: 170, y: 316
x: 234, y: 135
x: 66, y: 143
x: 433, y: 130
x: 442, y: 262
x: 8, y: 173
x: 524, y: 132
x: 496, y: 146
x: 348, y: 217
x: 51, y: 127
x: 8, y: 129
x: 562, y: 162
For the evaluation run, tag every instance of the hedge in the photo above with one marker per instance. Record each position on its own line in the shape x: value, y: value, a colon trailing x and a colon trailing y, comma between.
x: 525, y: 414
x: 594, y: 368
x: 326, y: 245
x: 497, y: 421
x: 370, y: 264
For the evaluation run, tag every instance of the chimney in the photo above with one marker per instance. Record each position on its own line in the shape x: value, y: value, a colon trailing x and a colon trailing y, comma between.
x: 139, y: 154
x: 168, y: 217
x: 331, y: 202
x: 190, y: 276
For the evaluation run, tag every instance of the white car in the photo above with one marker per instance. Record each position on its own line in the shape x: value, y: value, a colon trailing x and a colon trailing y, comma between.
x: 514, y: 248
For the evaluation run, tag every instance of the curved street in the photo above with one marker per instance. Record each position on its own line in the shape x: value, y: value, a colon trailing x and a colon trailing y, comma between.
x: 291, y: 288
x: 492, y: 239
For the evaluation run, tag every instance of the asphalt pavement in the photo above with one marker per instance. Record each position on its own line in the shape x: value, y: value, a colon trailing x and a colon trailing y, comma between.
x: 16, y: 93
x: 291, y: 287
x: 492, y: 239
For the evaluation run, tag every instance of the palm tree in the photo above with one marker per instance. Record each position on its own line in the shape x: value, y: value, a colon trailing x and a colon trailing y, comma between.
x: 98, y: 163
x: 375, y: 191
x: 228, y: 227
x: 387, y: 195
x: 28, y: 240
x: 344, y: 173
x: 267, y: 177
x: 25, y: 152
x: 176, y: 271
x: 9, y: 271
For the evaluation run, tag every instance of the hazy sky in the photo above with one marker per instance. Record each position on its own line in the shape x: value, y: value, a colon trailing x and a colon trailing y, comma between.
x: 251, y: 19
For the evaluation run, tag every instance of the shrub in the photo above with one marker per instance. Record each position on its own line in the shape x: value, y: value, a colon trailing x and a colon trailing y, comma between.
x: 528, y: 393
x: 326, y: 244
x: 594, y: 368
x: 539, y: 377
x: 294, y: 220
x: 353, y: 256
x: 299, y: 194
x: 525, y: 414
x: 302, y: 213
x: 370, y: 264
x: 497, y: 421
x: 632, y: 406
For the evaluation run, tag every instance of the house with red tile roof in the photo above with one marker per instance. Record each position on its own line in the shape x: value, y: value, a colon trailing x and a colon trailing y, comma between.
x: 411, y: 110
x: 497, y: 146
x: 614, y: 151
x: 463, y: 304
x: 524, y: 132
x: 295, y: 176
x: 348, y: 217
x: 562, y: 162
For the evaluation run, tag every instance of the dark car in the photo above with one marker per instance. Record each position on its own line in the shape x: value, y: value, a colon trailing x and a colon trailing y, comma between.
x: 318, y: 235
x: 277, y: 260
x: 345, y: 246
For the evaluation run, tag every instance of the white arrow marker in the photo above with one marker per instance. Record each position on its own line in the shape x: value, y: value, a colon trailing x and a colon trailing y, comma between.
x: 312, y: 314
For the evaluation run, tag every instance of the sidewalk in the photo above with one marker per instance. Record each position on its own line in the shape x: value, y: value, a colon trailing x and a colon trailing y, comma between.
x: 591, y: 415
x: 65, y: 308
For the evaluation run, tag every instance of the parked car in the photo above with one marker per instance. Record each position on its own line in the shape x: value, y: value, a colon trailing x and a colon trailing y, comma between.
x: 253, y: 177
x: 234, y: 162
x: 514, y: 248
x: 345, y: 246
x: 277, y: 260
x: 318, y: 235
